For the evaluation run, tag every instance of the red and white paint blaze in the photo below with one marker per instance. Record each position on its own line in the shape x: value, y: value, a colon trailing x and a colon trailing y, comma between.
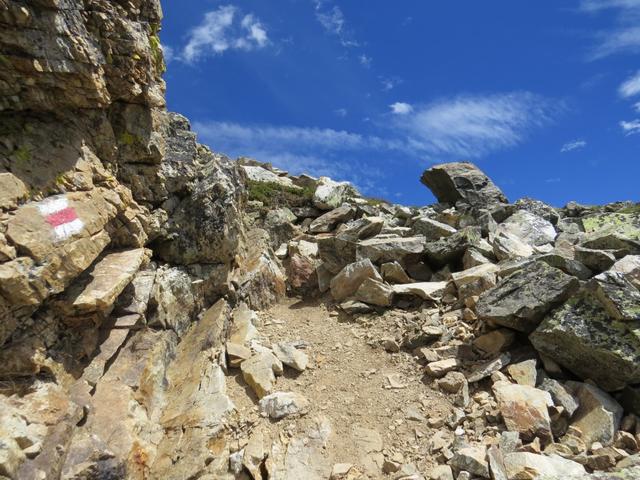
x: 62, y: 218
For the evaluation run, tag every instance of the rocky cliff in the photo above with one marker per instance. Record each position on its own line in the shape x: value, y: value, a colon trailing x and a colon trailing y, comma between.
x: 139, y: 269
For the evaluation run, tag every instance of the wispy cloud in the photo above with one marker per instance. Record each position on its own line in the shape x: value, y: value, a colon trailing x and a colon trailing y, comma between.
x: 636, y: 107
x: 631, y: 86
x: 553, y: 180
x: 630, y: 128
x: 334, y: 23
x: 400, y: 108
x: 624, y: 36
x: 222, y: 30
x: 365, y: 61
x: 341, y: 112
x: 574, y: 145
x: 474, y: 126
x: 389, y: 83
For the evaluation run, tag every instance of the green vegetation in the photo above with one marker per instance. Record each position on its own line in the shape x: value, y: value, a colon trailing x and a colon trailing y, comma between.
x: 23, y: 155
x: 156, y: 53
x: 276, y: 195
x: 633, y: 209
x: 127, y: 139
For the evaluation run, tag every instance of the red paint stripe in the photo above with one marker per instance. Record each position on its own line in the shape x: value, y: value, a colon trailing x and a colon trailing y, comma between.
x: 63, y: 216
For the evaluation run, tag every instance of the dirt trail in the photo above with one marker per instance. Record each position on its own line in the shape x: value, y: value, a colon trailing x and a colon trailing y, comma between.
x: 354, y: 383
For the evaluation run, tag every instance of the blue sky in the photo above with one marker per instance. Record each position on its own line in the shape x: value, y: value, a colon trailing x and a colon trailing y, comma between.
x: 543, y: 95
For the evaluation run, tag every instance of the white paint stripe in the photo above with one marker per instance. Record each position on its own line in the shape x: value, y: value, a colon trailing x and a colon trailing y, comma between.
x: 67, y: 229
x: 52, y: 206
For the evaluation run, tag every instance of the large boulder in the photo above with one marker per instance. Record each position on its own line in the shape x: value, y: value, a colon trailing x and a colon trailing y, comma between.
x: 329, y: 221
x: 452, y: 182
x: 347, y: 282
x: 582, y: 337
x: 330, y: 194
x: 529, y: 227
x: 383, y: 249
x: 452, y: 248
x: 521, y: 300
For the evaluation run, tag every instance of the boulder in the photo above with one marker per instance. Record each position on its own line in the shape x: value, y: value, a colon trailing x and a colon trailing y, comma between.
x: 451, y: 249
x: 374, y: 292
x: 288, y: 354
x: 524, y: 409
x: 508, y: 246
x: 570, y: 266
x: 394, y: 273
x: 329, y: 221
x: 347, y: 282
x: 330, y: 194
x: 561, y: 395
x: 432, y: 229
x: 521, y: 300
x: 624, y: 224
x: 529, y: 227
x: 283, y: 404
x: 596, y: 260
x: 495, y: 341
x: 524, y: 373
x: 382, y: 250
x: 472, y: 460
x: 583, y: 338
x: 619, y: 297
x: 531, y: 465
x: 475, y: 280
x: 424, y: 290
x: 262, y: 175
x: 452, y: 182
x: 538, y: 208
x: 260, y: 372
x: 598, y: 415
x: 629, y: 267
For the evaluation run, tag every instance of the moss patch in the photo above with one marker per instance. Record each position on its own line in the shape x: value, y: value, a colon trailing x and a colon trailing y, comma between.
x: 276, y: 195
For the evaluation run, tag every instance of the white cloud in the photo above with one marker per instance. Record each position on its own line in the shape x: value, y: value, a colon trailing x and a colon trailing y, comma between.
x: 624, y: 36
x: 574, y: 145
x: 400, y: 108
x: 631, y: 87
x: 333, y: 21
x: 168, y: 53
x: 365, y: 61
x: 636, y: 107
x: 630, y: 128
x: 474, y: 126
x: 222, y: 30
x: 341, y: 112
x: 390, y: 83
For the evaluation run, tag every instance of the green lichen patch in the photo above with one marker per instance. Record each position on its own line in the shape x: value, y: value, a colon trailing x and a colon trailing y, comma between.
x: 626, y: 224
x: 276, y: 195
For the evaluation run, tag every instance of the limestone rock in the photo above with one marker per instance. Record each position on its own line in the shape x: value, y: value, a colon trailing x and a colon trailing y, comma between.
x: 237, y: 354
x: 596, y: 260
x: 347, y: 282
x: 382, y: 250
x: 374, y: 292
x: 495, y: 341
x: 394, y: 273
x: 283, y: 404
x: 529, y: 227
x: 598, y: 415
x: 451, y: 182
x: 523, y: 373
x: 288, y: 354
x: 432, y: 229
x: 521, y: 300
x: 424, y: 290
x: 531, y: 465
x: 330, y: 194
x: 262, y: 175
x: 508, y: 246
x: 583, y: 338
x: 560, y: 394
x: 475, y: 280
x: 260, y: 373
x: 472, y: 460
x: 629, y: 267
x: 524, y: 409
x: 328, y: 221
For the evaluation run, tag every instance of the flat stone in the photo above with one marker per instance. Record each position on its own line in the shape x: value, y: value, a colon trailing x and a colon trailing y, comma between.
x: 347, y: 282
x: 507, y: 246
x: 531, y: 465
x: 560, y: 394
x: 475, y: 280
x: 495, y: 341
x: 237, y: 354
x: 432, y: 229
x: 98, y: 289
x: 629, y: 266
x: 283, y: 404
x: 262, y: 175
x: 521, y: 300
x: 382, y: 250
x: 485, y: 370
x: 425, y: 290
x: 529, y: 227
x: 524, y: 409
x: 329, y: 221
x: 596, y: 260
x: 243, y: 328
x: 441, y: 367
x: 288, y: 354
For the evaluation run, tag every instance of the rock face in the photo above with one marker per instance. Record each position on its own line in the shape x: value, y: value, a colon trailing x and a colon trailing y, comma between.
x: 451, y: 182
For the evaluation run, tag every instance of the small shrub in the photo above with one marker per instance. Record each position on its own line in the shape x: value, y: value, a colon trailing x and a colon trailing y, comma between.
x: 276, y: 195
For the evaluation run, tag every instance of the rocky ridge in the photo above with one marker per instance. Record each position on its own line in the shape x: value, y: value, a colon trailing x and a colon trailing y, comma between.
x: 140, y: 272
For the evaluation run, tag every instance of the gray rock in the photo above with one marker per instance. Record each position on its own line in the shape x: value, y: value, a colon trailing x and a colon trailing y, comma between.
x: 618, y: 296
x: 288, y: 354
x: 569, y: 266
x: 508, y: 246
x: 451, y: 182
x: 629, y: 266
x: 561, y: 395
x: 532, y: 465
x: 347, y: 282
x: 330, y: 194
x: 374, y: 292
x: 521, y: 300
x: 283, y: 404
x: 583, y: 338
x: 394, y: 273
x: 472, y: 460
x: 382, y: 250
x: 432, y: 229
x: 596, y: 260
x: 328, y: 221
x: 452, y: 248
x: 529, y: 227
